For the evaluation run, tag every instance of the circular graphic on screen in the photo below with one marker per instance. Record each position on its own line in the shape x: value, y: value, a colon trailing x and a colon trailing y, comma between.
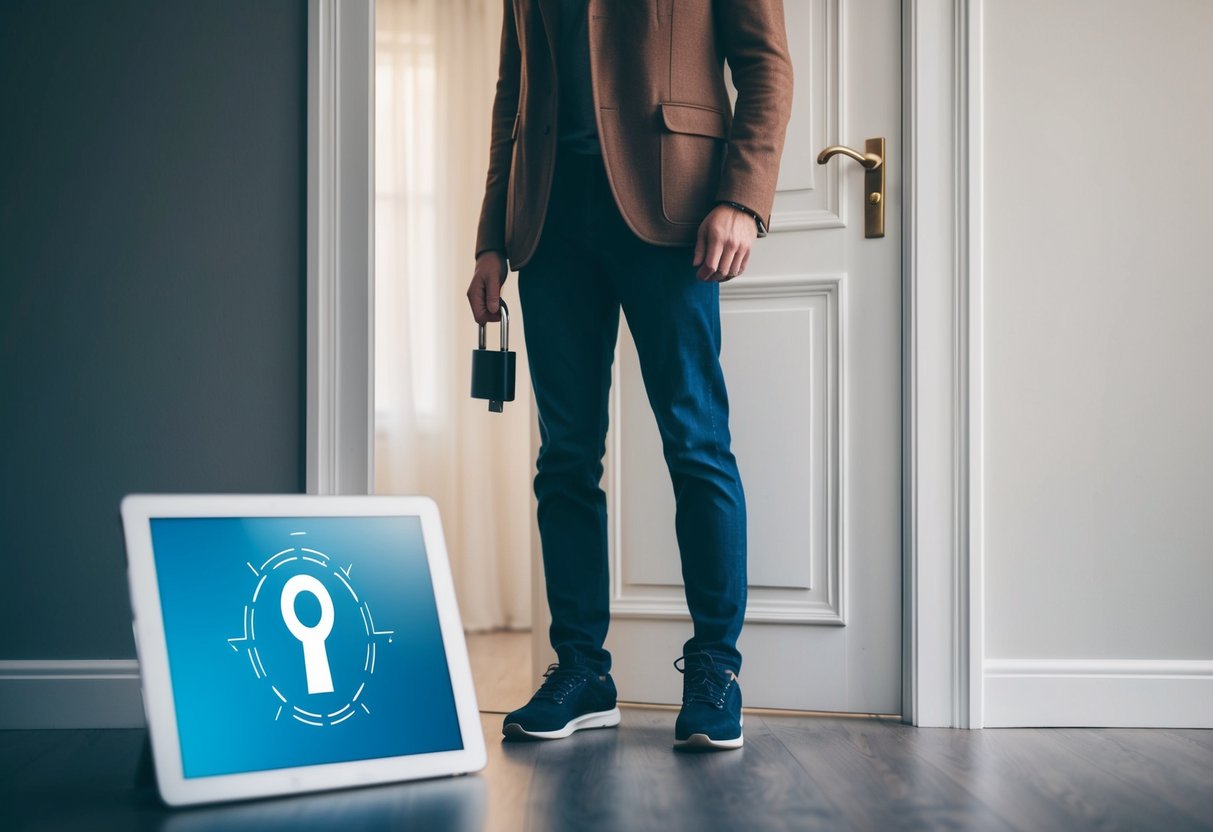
x: 310, y: 637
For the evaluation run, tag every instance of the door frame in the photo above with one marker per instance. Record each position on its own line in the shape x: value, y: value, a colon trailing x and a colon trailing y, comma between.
x: 942, y: 427
x: 942, y: 521
x: 340, y: 408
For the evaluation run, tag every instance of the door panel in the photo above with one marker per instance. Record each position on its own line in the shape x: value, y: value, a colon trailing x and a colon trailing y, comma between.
x: 785, y: 427
x: 812, y: 359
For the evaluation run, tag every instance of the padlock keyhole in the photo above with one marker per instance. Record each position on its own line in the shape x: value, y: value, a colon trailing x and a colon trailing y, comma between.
x: 315, y: 656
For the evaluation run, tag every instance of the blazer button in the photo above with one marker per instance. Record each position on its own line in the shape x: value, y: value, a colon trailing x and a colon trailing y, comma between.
x: 547, y: 128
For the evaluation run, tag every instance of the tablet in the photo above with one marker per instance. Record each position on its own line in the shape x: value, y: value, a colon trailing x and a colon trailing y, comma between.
x: 295, y: 643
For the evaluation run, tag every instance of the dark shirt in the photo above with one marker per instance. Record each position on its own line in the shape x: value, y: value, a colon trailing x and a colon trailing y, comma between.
x: 578, y: 129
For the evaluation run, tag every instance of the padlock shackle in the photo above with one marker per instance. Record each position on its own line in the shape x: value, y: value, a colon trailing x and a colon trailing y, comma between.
x: 505, y: 328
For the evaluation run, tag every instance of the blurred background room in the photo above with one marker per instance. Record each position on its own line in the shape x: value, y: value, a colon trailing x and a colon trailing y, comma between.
x: 435, y: 76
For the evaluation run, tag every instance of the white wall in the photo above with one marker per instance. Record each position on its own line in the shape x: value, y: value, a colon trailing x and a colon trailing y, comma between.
x: 1098, y: 345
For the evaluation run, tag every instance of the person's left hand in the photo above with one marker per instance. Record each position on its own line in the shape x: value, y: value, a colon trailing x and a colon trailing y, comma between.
x: 722, y: 248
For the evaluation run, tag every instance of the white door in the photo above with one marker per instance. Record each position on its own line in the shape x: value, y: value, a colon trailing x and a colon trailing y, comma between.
x: 812, y: 357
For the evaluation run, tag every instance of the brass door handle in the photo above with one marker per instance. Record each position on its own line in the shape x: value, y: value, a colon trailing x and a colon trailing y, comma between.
x: 868, y: 160
x: 873, y: 161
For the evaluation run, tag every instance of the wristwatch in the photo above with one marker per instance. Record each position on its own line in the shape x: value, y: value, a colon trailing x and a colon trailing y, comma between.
x: 762, y: 229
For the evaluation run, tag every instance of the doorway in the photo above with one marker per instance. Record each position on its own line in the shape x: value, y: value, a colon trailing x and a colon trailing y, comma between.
x: 435, y: 66
x: 941, y: 593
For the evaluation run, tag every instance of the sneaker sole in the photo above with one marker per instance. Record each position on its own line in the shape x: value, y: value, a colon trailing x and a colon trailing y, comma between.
x: 598, y: 719
x: 702, y: 742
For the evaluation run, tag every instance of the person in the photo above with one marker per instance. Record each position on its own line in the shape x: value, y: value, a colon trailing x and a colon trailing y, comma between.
x: 621, y: 178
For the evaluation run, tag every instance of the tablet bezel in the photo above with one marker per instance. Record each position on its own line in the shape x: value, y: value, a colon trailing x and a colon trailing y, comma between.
x: 177, y: 790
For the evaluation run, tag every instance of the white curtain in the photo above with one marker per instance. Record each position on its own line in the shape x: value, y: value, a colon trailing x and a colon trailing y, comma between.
x: 435, y: 73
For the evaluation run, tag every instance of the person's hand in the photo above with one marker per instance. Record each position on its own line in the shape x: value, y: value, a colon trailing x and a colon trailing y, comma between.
x: 722, y: 249
x: 484, y: 292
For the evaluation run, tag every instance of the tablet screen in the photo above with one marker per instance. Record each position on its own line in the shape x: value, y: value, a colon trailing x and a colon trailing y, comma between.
x: 301, y: 641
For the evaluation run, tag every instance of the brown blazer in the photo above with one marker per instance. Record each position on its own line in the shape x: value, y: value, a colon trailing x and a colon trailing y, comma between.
x: 671, y: 144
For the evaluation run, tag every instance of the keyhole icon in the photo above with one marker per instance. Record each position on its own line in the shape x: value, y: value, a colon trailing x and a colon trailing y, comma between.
x: 315, y: 657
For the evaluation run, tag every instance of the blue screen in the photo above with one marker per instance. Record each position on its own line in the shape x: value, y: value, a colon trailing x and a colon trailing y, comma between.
x: 301, y: 641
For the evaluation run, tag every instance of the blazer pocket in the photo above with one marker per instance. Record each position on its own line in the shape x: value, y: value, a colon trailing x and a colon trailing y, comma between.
x: 693, y: 140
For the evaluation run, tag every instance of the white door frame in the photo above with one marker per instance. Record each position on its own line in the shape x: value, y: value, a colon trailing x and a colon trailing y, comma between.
x: 941, y: 266
x: 942, y: 378
x: 340, y: 246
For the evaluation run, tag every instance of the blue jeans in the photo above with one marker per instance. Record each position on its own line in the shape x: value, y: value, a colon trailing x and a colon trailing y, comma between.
x: 587, y: 267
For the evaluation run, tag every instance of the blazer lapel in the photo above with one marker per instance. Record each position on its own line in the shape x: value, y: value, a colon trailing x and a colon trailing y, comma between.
x: 549, y: 14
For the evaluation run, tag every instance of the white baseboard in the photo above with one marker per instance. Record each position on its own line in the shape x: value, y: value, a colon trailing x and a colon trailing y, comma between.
x: 92, y: 693
x: 1120, y: 693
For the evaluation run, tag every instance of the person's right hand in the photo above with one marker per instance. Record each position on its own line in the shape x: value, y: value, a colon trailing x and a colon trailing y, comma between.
x: 484, y: 292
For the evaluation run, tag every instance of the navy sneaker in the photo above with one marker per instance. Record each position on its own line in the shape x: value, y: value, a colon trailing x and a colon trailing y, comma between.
x: 570, y: 699
x: 710, y: 719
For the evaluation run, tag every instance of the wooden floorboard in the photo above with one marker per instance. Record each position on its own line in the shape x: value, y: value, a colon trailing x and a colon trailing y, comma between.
x: 794, y: 773
x: 1169, y: 767
x: 508, y: 775
x: 1202, y: 739
x: 1032, y: 781
x: 501, y: 669
x: 21, y: 750
x: 631, y: 778
x: 875, y: 780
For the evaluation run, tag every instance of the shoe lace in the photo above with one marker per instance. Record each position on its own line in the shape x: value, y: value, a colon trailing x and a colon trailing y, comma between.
x: 559, y: 682
x: 703, y: 680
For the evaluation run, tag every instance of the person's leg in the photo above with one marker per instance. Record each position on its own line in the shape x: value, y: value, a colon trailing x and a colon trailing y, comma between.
x: 571, y: 318
x: 675, y: 321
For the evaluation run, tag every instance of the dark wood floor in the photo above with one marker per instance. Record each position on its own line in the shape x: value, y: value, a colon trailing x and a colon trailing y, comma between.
x: 795, y: 773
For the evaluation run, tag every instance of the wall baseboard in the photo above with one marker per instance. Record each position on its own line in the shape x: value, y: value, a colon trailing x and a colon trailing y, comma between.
x: 1120, y: 693
x: 90, y: 693
x: 1112, y: 693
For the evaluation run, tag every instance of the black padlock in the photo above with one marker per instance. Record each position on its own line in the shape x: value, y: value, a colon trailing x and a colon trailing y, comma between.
x: 493, y: 370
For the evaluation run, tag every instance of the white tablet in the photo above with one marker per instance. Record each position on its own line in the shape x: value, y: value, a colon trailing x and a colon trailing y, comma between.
x: 295, y: 643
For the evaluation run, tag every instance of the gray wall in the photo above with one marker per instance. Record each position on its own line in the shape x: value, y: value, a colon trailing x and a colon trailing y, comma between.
x: 1099, y: 534
x: 152, y: 278
x: 1097, y: 398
